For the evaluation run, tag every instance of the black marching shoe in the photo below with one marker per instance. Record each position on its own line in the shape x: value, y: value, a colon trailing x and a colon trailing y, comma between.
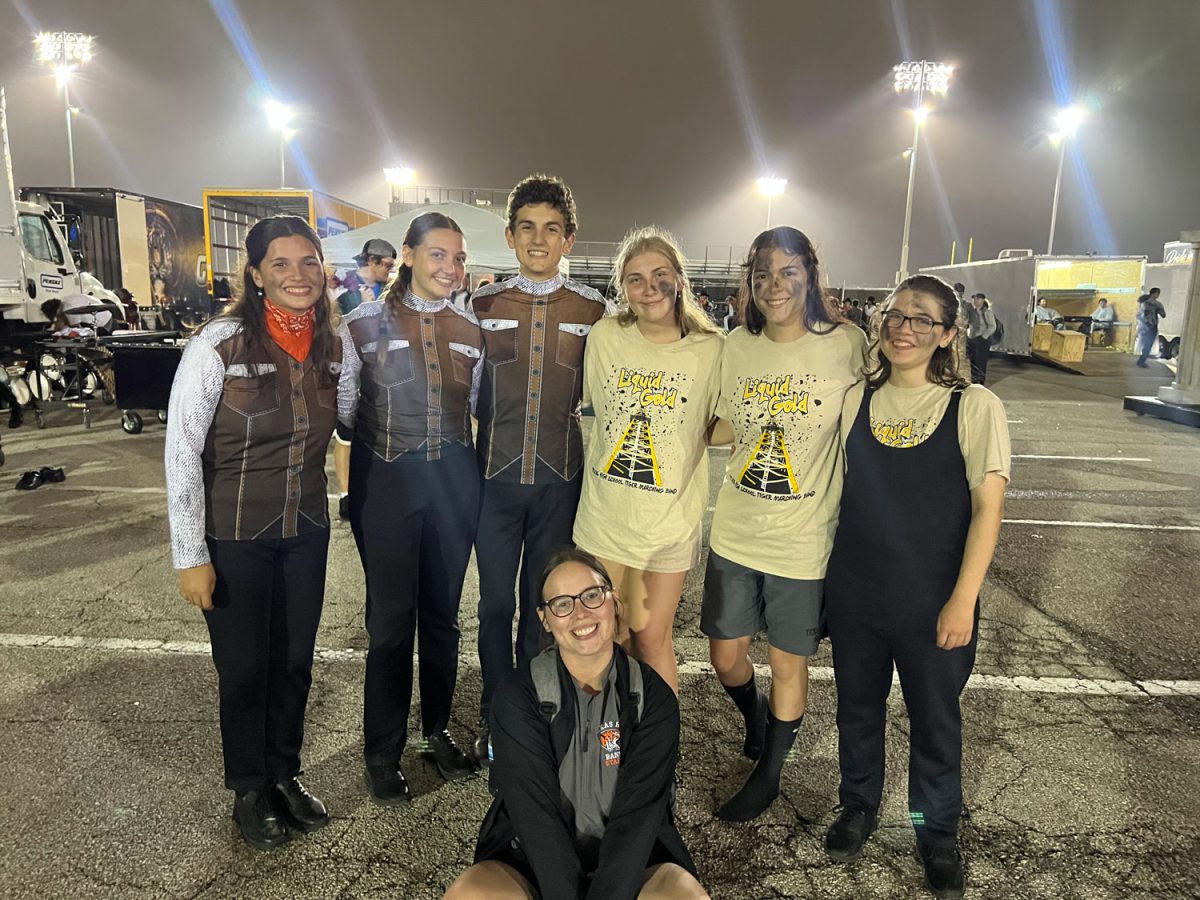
x: 344, y: 507
x: 257, y: 820
x: 845, y: 837
x: 301, y: 808
x: 387, y: 785
x: 943, y: 871
x: 481, y: 747
x: 450, y: 761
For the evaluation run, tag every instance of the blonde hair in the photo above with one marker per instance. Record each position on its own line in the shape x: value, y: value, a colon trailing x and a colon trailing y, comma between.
x: 652, y: 239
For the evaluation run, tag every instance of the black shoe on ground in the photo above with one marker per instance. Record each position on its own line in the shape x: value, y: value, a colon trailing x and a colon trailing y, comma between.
x: 844, y: 839
x: 344, y: 507
x: 450, y: 761
x: 258, y: 821
x: 30, y: 481
x: 943, y: 871
x: 386, y: 785
x: 52, y: 476
x: 301, y: 809
x: 15, y: 417
x: 481, y: 747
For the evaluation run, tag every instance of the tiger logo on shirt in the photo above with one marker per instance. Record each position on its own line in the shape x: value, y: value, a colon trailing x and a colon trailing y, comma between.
x: 609, y: 737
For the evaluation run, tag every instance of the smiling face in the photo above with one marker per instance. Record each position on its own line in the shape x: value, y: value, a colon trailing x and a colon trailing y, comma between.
x: 905, y: 348
x: 438, y: 263
x: 585, y: 633
x: 651, y: 285
x: 779, y: 284
x: 539, y: 235
x: 380, y: 268
x: 291, y: 275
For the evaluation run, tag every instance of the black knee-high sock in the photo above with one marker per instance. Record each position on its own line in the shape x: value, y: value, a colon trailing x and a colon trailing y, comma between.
x: 752, y: 703
x: 762, y: 787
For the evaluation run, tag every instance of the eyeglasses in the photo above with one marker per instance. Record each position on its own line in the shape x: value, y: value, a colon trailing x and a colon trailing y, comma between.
x: 920, y: 324
x: 592, y: 598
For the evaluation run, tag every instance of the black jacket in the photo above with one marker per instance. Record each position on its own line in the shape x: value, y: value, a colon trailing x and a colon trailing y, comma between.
x: 530, y: 808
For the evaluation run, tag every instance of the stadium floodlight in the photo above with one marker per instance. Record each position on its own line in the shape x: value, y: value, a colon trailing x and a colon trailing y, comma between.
x: 279, y: 117
x: 1066, y: 123
x: 399, y: 176
x: 770, y: 186
x: 917, y: 77
x: 64, y: 52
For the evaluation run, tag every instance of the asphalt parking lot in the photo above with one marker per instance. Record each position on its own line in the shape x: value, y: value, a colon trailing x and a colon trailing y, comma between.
x: 1082, y: 742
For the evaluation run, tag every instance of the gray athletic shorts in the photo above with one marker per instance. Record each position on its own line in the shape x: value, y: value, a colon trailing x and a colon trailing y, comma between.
x: 740, y: 602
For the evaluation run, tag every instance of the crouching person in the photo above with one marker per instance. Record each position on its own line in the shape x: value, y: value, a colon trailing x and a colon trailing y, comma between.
x: 584, y: 744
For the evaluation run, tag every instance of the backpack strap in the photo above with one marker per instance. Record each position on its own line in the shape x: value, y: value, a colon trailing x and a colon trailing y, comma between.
x: 636, y: 687
x: 544, y: 670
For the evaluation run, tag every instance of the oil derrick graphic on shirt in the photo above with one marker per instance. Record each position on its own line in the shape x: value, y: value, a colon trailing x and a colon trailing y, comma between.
x: 634, y: 459
x: 769, y: 470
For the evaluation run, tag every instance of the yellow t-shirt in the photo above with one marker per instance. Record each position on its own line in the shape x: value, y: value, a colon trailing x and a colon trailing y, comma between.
x: 645, y: 480
x: 777, y: 507
x: 906, y: 417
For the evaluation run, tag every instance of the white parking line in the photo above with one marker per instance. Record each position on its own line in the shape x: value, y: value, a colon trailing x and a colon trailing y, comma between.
x: 1024, y: 684
x: 1083, y: 458
x: 1132, y: 526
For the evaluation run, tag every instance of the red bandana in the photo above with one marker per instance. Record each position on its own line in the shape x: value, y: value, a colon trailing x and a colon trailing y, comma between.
x: 293, y: 333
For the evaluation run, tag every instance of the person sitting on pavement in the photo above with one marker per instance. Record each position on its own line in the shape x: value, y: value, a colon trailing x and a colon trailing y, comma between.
x: 585, y: 740
x: 1102, y: 321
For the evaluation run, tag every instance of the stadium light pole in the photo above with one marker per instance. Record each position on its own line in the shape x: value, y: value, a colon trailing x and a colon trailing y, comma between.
x: 1067, y: 122
x: 770, y: 187
x: 279, y: 116
x: 397, y: 176
x: 65, y: 51
x: 918, y: 78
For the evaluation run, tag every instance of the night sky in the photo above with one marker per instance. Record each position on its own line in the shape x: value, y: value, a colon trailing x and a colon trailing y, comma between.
x: 655, y: 111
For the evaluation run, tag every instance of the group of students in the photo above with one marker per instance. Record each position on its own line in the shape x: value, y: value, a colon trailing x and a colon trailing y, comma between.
x: 861, y: 500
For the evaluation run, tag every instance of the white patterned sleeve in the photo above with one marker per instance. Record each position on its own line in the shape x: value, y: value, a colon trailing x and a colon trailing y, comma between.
x: 195, y: 394
x: 348, y: 381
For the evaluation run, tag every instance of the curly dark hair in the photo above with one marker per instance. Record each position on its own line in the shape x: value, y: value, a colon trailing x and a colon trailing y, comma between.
x: 543, y: 189
x: 819, y: 315
x: 944, y: 365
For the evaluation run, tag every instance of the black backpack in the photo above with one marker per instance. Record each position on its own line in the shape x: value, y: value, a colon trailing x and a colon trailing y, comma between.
x: 997, y: 336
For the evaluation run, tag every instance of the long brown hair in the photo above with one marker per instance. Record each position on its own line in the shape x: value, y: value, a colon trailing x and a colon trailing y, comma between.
x: 418, y: 228
x: 688, y: 315
x: 249, y: 306
x: 819, y: 315
x: 946, y: 362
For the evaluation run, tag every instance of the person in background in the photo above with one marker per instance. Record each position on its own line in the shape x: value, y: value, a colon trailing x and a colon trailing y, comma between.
x: 375, y: 265
x: 1046, y: 313
x: 927, y: 461
x: 586, y: 740
x: 854, y: 315
x: 1102, y: 321
x: 251, y: 551
x: 979, y: 337
x: 1150, y: 310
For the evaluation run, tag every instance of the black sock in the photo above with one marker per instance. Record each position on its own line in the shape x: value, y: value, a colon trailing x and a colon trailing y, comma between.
x: 762, y: 787
x: 752, y: 703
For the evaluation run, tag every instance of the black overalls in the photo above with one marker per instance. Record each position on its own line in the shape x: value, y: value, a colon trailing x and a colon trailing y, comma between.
x: 896, y: 557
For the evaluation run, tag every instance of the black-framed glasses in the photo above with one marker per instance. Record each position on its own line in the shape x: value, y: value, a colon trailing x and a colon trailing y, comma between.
x: 920, y: 323
x: 593, y: 598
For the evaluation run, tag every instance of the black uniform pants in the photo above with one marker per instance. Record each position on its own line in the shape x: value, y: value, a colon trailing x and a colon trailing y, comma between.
x: 520, y: 527
x: 263, y: 628
x: 414, y: 521
x: 866, y: 642
x: 978, y: 349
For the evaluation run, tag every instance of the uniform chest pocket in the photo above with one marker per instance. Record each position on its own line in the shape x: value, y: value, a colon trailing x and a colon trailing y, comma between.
x: 571, y: 337
x: 327, y: 396
x: 500, y: 338
x: 251, y: 390
x: 397, y: 366
x: 464, y: 358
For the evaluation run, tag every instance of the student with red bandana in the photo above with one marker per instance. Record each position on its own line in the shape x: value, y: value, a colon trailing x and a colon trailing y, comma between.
x: 253, y: 406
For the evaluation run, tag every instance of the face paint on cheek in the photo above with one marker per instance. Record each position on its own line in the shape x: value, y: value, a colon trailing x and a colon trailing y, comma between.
x: 666, y: 288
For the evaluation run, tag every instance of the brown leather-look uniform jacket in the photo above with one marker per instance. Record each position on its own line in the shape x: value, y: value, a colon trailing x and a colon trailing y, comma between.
x: 528, y: 407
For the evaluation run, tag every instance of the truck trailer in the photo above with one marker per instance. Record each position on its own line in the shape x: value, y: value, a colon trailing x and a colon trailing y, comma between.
x: 153, y: 248
x: 230, y: 213
x: 1071, y: 285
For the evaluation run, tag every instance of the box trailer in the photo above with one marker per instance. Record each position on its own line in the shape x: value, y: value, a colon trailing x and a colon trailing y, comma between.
x: 1071, y: 285
x: 153, y: 248
x: 230, y: 213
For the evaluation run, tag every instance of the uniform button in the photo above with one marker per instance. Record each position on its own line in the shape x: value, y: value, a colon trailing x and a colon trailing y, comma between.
x: 537, y: 371
x: 433, y: 367
x: 294, y: 470
x: 537, y: 348
x: 537, y: 324
x: 292, y: 495
x: 295, y: 367
x: 297, y: 392
x: 303, y: 420
x: 436, y: 389
x: 427, y: 321
x: 533, y: 418
x: 533, y: 394
x: 429, y: 343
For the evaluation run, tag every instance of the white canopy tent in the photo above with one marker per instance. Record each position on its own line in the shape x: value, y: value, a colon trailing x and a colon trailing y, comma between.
x: 487, y: 250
